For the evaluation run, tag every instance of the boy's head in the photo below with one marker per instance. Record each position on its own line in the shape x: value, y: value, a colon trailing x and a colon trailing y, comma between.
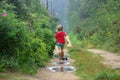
x: 60, y: 27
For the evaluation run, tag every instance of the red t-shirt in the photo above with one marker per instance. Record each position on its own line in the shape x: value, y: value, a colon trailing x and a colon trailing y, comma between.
x: 60, y: 37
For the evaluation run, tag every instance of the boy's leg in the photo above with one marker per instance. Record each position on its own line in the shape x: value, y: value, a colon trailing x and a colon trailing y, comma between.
x: 62, y: 52
x: 60, y: 56
x: 59, y: 51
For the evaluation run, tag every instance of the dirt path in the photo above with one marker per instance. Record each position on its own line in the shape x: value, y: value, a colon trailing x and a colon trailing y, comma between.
x: 45, y: 73
x: 110, y: 59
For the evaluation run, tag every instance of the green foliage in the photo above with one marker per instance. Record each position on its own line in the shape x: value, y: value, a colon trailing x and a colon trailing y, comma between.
x: 96, y: 21
x: 107, y: 75
x: 74, y: 39
x: 90, y: 67
x: 27, y: 40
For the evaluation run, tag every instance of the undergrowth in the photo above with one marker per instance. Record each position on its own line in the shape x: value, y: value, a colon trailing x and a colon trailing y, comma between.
x: 89, y: 66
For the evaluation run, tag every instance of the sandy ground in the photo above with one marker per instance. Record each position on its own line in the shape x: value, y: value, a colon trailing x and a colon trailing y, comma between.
x: 46, y: 74
x: 110, y: 59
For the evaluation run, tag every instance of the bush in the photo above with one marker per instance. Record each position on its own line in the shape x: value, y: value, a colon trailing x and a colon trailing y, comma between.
x: 25, y: 43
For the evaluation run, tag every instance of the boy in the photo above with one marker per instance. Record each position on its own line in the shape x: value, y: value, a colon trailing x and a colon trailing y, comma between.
x: 60, y: 39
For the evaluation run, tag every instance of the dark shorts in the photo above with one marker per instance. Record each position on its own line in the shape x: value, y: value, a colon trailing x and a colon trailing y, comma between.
x: 60, y: 45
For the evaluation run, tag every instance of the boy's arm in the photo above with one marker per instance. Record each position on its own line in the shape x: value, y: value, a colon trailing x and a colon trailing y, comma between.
x: 68, y: 42
x: 66, y: 39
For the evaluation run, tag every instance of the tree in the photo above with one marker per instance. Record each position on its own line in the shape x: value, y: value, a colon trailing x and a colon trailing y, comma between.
x: 99, y: 17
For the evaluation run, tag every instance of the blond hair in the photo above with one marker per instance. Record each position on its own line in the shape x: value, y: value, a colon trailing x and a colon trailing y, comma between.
x: 60, y: 27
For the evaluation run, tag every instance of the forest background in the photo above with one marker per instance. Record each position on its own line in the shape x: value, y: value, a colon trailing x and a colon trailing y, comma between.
x: 95, y: 23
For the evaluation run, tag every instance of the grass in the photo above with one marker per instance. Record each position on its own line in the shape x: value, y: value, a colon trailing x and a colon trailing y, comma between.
x: 3, y: 76
x: 89, y: 66
x: 11, y: 76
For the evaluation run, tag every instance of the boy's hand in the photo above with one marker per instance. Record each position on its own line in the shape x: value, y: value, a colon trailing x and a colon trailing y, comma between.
x: 67, y: 42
